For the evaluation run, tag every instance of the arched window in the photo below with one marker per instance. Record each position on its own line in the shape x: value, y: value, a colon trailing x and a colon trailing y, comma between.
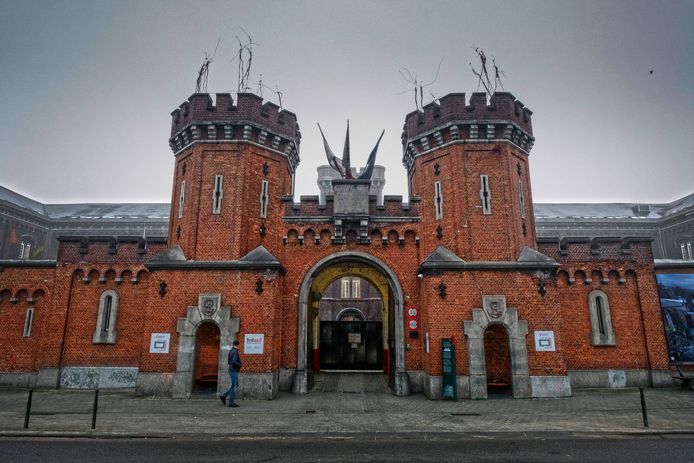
x: 600, y: 320
x: 105, y: 332
x: 25, y: 249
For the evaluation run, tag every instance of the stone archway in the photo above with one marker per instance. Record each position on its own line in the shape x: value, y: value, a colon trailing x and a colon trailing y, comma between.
x: 494, y: 311
x: 401, y: 382
x: 209, y: 309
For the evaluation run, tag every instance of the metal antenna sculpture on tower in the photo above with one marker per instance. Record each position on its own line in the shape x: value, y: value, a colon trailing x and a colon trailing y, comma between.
x: 418, y: 86
x: 483, y: 74
x: 203, y: 73
x: 245, y: 57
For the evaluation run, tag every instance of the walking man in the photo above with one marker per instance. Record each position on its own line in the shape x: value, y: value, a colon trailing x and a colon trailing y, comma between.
x: 234, y: 360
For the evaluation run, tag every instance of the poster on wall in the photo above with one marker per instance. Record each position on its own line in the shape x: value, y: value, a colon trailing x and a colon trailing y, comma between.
x: 253, y: 343
x: 159, y: 343
x: 544, y: 341
x: 676, y: 291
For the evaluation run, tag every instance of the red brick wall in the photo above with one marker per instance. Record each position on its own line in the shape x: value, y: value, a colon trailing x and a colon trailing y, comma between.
x: 19, y: 353
x: 444, y: 318
x: 236, y: 230
x: 633, y: 300
x: 466, y: 230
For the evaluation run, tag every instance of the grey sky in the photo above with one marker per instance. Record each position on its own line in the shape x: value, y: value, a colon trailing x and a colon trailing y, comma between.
x: 87, y: 87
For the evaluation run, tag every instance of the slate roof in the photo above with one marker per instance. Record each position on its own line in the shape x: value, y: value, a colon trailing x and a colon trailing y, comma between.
x: 611, y: 210
x: 87, y: 210
x: 161, y: 210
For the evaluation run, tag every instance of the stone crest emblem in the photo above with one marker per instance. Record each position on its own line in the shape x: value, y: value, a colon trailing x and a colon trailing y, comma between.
x: 209, y: 303
x: 494, y: 306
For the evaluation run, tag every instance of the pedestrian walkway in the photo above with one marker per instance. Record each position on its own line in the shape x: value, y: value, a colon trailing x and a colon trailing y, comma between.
x: 68, y: 412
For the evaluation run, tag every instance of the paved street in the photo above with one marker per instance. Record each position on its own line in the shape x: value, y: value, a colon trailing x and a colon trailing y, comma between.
x: 68, y: 412
x: 385, y: 447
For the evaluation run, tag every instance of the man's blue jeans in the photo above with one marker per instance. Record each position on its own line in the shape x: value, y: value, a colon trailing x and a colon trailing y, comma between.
x: 230, y: 393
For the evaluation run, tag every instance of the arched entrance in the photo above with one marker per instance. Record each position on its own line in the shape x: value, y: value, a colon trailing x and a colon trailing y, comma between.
x: 373, y: 270
x: 208, y: 311
x: 497, y: 360
x: 495, y: 313
x: 206, y: 358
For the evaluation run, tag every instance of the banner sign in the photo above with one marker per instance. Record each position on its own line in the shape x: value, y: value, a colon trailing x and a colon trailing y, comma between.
x: 676, y: 292
x: 253, y: 344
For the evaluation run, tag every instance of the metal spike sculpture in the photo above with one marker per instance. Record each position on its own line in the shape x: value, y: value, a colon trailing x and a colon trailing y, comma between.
x: 343, y: 166
x: 204, y: 72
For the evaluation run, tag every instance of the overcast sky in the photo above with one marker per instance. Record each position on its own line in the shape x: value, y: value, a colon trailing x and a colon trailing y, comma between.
x: 87, y: 87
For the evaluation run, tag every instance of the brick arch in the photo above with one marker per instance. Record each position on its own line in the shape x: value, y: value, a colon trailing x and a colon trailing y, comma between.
x: 292, y: 236
x: 401, y: 378
x: 5, y: 295
x: 309, y: 236
x: 209, y: 309
x: 494, y: 311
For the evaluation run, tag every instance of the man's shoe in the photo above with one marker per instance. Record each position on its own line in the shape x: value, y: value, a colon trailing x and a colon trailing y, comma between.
x: 223, y: 399
x: 233, y: 405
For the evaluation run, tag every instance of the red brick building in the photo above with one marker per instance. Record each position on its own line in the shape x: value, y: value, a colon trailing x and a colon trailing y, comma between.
x: 459, y: 259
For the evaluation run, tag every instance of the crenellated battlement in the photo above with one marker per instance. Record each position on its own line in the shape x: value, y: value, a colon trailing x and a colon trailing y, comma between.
x: 477, y: 121
x: 202, y: 119
x: 248, y: 108
x: 309, y: 208
x: 502, y: 106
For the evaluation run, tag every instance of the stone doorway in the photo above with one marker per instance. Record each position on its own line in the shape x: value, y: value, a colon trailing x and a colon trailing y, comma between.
x: 208, y: 311
x: 206, y: 371
x: 497, y: 360
x: 495, y: 313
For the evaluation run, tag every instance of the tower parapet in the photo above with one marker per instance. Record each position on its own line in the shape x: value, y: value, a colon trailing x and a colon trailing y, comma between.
x: 452, y: 119
x: 201, y: 120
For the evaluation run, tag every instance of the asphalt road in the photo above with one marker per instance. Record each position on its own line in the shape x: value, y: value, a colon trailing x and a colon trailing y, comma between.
x: 357, y: 448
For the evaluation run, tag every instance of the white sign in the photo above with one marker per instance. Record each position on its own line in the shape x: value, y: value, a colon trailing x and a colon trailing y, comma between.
x: 253, y: 343
x: 544, y: 341
x: 354, y: 338
x: 412, y: 324
x: 159, y: 343
x: 412, y: 311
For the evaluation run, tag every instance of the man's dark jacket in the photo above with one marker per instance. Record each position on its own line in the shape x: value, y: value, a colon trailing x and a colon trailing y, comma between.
x: 234, y: 360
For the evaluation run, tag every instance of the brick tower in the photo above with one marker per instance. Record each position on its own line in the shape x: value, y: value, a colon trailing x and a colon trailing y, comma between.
x: 234, y: 162
x: 469, y: 164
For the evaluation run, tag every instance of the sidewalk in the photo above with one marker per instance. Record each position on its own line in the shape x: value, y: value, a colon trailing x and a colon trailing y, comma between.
x: 68, y: 413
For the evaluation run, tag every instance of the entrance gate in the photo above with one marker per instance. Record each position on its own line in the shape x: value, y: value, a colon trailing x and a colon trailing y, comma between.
x: 392, y: 339
x: 352, y: 345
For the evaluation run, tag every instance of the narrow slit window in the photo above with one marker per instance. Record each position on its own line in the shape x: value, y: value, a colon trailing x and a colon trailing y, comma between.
x: 217, y: 194
x: 682, y: 248
x: 485, y: 195
x: 23, y: 244
x: 438, y: 200
x: 105, y: 330
x: 181, y: 199
x: 689, y: 250
x: 263, y: 199
x: 108, y: 306
x: 599, y: 310
x: 602, y: 333
x: 28, y: 321
x: 521, y: 199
